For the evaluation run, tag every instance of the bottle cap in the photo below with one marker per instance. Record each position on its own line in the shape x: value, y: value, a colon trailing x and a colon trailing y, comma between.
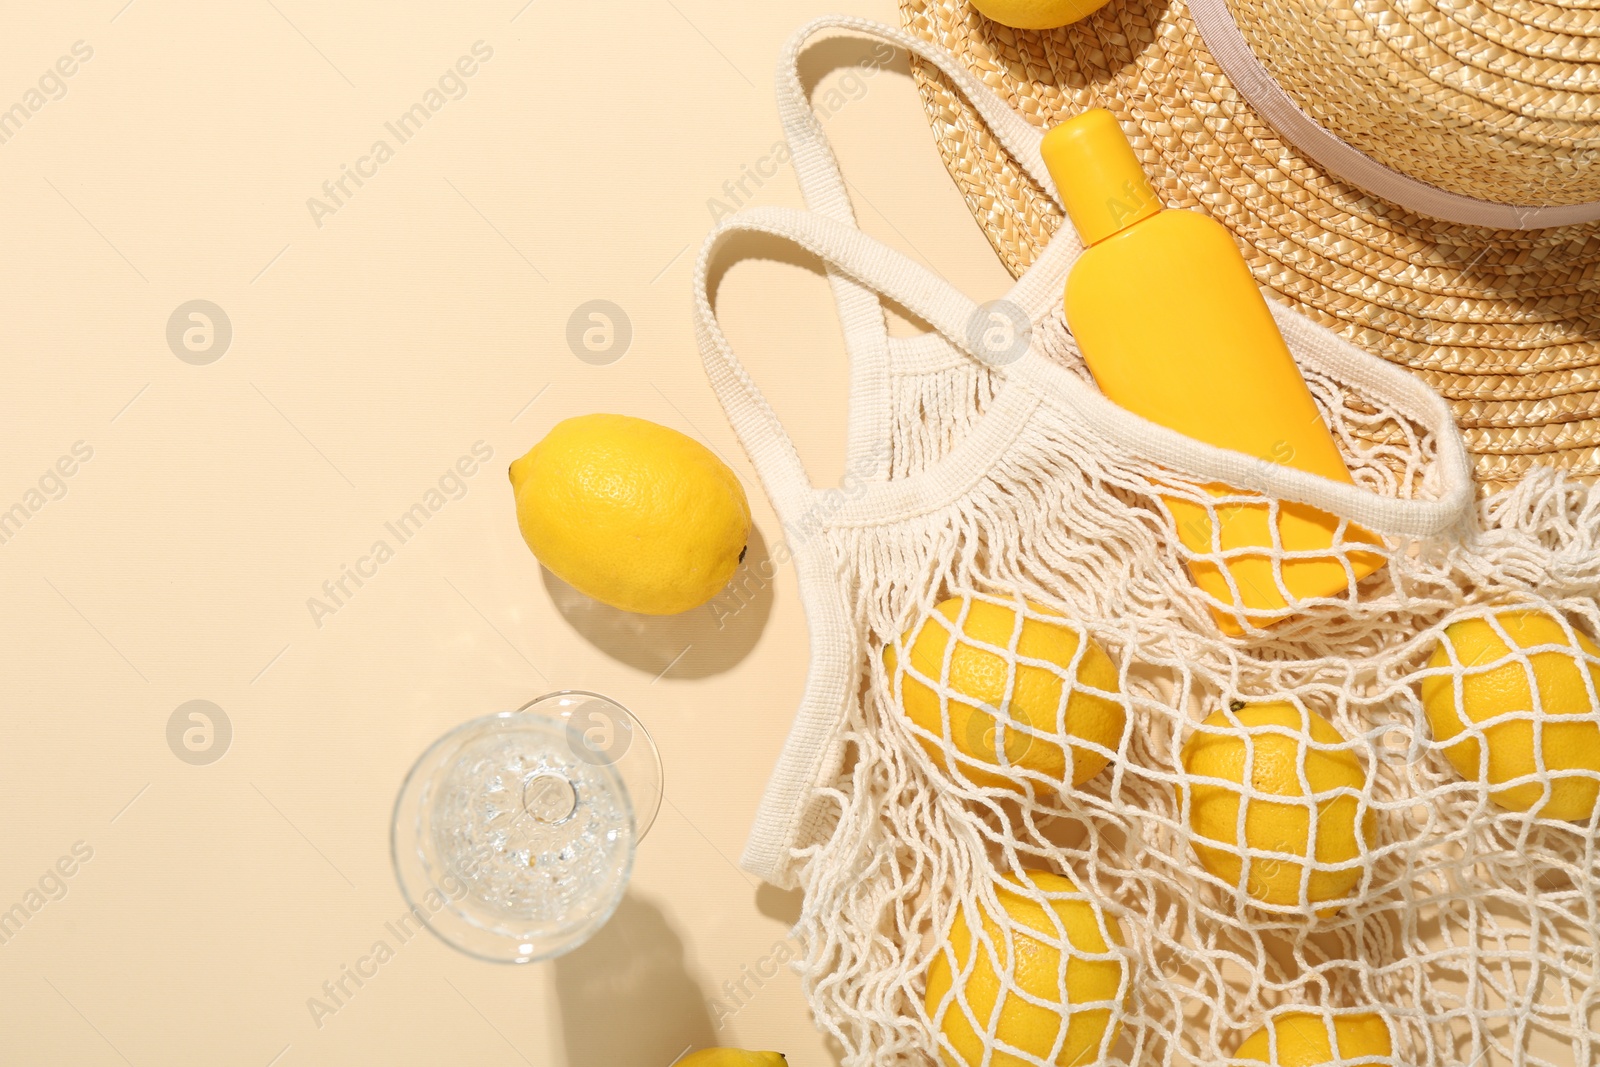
x: 1100, y: 180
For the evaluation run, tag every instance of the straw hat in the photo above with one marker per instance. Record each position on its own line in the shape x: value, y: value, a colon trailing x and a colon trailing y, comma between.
x: 1421, y: 176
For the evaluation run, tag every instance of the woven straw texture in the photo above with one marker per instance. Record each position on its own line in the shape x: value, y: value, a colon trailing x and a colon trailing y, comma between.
x: 1502, y: 105
x: 1504, y: 324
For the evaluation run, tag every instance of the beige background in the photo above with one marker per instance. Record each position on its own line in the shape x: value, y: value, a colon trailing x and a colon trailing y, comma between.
x: 427, y: 313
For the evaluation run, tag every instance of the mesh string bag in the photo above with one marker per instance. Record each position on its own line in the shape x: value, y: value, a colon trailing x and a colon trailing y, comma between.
x: 964, y: 900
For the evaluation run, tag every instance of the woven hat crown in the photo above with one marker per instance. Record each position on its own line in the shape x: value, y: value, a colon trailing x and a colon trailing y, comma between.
x: 1499, y: 101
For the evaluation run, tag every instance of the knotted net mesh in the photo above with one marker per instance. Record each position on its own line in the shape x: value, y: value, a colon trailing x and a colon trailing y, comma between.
x: 1359, y: 819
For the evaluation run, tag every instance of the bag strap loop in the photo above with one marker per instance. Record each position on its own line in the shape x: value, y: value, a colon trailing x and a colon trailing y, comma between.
x: 820, y: 177
x: 826, y: 191
x: 864, y: 269
x: 863, y: 262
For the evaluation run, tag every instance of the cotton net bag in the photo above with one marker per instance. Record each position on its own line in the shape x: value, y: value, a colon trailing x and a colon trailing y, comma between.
x: 1056, y: 923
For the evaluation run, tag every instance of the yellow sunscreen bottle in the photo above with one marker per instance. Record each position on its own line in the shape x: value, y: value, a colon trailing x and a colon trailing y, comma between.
x: 1173, y: 328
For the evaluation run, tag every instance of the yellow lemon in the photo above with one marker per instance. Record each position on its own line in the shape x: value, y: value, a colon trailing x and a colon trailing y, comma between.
x: 1037, y: 14
x: 1567, y: 745
x: 634, y: 514
x: 1303, y: 1040
x: 1276, y: 826
x: 731, y: 1057
x: 1032, y: 966
x: 988, y: 731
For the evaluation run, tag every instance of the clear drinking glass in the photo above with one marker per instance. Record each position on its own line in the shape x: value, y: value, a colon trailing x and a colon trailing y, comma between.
x: 514, y: 834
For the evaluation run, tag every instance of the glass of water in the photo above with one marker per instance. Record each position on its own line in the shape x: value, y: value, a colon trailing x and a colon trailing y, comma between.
x: 514, y: 834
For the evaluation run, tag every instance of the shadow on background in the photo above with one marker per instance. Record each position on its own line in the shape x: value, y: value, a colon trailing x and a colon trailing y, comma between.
x: 865, y: 57
x: 743, y: 245
x: 780, y: 904
x: 626, y: 997
x: 708, y: 640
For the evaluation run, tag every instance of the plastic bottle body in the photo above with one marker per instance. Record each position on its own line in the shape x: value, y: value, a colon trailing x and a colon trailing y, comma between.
x: 1173, y: 328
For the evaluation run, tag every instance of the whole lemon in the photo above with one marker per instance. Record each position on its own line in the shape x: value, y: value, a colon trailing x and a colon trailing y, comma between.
x: 1303, y: 1040
x: 1567, y: 730
x: 987, y: 730
x: 1270, y: 825
x: 1032, y: 966
x: 634, y: 514
x: 1037, y: 14
x: 731, y: 1057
